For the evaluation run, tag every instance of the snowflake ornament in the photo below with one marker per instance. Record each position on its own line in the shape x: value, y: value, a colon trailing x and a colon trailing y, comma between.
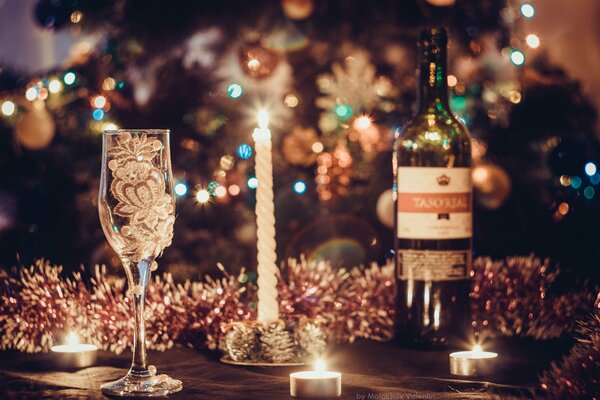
x: 350, y: 88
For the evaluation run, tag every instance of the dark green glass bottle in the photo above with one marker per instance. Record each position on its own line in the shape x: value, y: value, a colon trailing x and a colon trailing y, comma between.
x: 433, y: 198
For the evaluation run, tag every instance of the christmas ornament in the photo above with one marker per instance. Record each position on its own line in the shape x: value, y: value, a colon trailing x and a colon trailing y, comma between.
x: 310, y: 339
x: 492, y: 185
x: 280, y: 342
x: 270, y: 88
x: 35, y: 129
x: 240, y: 341
x: 297, y: 146
x: 354, y: 87
x: 297, y: 9
x: 198, y: 51
x: 277, y: 343
x: 385, y: 208
x: 257, y: 61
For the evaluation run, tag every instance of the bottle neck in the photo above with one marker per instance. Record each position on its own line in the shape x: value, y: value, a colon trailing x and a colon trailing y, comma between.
x: 433, y: 79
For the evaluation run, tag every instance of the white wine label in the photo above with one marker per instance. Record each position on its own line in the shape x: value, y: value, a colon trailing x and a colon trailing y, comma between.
x: 434, y: 203
x: 433, y: 265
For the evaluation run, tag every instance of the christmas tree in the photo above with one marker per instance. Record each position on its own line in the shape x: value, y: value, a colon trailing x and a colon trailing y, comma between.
x: 338, y: 78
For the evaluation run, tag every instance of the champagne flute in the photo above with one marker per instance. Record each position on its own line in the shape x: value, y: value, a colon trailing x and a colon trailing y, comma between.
x: 137, y: 211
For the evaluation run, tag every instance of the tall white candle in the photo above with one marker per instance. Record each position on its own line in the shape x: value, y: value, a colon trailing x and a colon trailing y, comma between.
x: 268, y: 306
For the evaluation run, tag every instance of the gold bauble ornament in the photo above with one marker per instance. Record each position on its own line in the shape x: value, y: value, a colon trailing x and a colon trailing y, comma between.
x: 257, y: 61
x: 35, y: 129
x: 385, y: 208
x: 297, y: 9
x: 492, y: 185
x: 297, y: 146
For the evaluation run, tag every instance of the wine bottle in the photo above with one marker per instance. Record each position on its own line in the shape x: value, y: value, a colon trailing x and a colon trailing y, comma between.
x: 433, y: 201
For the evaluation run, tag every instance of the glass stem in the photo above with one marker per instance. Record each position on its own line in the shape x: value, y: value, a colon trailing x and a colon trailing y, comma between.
x: 138, y: 276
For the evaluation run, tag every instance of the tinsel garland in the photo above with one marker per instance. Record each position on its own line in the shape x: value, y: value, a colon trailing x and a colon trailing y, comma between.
x: 577, y: 375
x: 38, y: 305
x: 516, y: 296
x: 348, y: 304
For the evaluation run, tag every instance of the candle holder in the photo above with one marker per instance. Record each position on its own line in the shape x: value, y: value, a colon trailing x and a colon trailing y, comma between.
x: 295, y: 341
x: 473, y: 363
x: 74, y: 355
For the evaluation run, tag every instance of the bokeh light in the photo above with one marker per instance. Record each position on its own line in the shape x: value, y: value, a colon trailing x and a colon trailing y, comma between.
x: 76, y: 17
x: 98, y: 101
x: 42, y: 94
x: 234, y: 190
x: 220, y: 191
x: 98, y: 114
x: 527, y: 10
x: 452, y: 81
x: 590, y: 168
x: 291, y: 100
x: 212, y: 185
x: 517, y: 57
x: 533, y: 41
x: 54, y: 86
x: 202, y: 196
x: 69, y: 78
x: 317, y: 147
x: 589, y: 192
x: 252, y: 182
x: 343, y: 111
x: 299, y: 187
x: 565, y: 180
x: 563, y: 208
x: 8, y: 108
x: 363, y: 122
x: 180, y: 189
x: 244, y: 151
x: 235, y: 90
x: 575, y: 182
x: 31, y: 93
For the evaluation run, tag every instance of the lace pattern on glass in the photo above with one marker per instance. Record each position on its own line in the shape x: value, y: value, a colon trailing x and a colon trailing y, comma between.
x: 140, y: 190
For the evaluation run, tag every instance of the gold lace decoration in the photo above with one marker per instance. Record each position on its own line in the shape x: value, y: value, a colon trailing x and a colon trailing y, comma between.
x: 140, y: 190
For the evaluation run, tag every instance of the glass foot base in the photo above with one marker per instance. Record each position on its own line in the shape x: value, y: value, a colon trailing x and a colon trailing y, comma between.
x: 142, y: 386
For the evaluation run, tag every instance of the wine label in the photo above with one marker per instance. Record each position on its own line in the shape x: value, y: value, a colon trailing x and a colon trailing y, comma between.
x: 434, y: 203
x: 433, y: 265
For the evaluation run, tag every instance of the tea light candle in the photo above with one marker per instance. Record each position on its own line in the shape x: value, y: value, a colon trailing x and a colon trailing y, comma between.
x: 472, y: 363
x: 316, y: 384
x: 74, y: 354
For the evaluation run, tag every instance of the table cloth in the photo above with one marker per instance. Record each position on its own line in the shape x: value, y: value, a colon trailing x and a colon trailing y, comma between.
x: 370, y: 370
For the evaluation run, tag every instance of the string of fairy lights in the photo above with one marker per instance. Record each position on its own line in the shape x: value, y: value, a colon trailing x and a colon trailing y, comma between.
x: 51, y: 92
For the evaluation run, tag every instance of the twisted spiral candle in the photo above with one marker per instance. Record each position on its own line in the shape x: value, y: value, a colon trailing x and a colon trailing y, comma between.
x: 268, y: 307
